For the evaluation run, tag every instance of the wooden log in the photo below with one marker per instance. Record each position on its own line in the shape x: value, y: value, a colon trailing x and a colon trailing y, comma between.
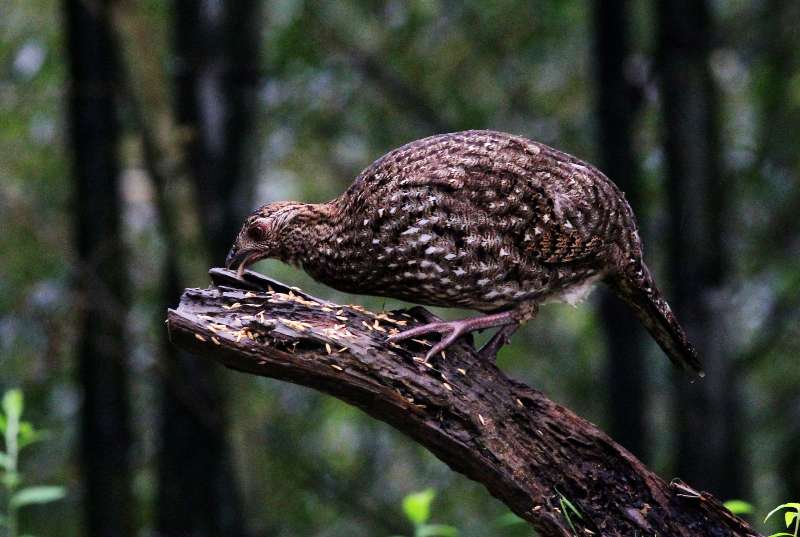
x: 529, y: 452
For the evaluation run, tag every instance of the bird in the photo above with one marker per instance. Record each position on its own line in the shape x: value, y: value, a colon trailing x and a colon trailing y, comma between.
x: 479, y: 220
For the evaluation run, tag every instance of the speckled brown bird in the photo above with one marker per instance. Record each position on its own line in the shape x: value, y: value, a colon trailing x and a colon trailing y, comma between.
x: 480, y: 220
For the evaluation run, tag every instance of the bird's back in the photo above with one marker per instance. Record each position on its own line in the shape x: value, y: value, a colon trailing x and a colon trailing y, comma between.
x: 477, y: 219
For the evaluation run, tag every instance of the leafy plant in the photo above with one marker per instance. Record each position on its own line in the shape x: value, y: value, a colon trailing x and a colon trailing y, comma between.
x: 790, y: 517
x: 18, y: 435
x: 567, y: 507
x: 739, y: 507
x: 417, y: 508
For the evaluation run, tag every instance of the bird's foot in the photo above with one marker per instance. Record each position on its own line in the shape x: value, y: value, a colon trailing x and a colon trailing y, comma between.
x: 452, y: 330
x: 449, y: 330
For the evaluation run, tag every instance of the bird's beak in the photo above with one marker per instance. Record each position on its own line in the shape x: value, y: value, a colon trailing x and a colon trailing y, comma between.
x: 241, y: 259
x: 233, y: 258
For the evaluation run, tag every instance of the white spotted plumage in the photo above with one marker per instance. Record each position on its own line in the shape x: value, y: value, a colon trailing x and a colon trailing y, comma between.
x: 476, y: 219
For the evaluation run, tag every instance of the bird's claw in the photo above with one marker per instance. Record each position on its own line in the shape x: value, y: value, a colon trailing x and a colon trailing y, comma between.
x: 449, y: 330
x: 452, y: 330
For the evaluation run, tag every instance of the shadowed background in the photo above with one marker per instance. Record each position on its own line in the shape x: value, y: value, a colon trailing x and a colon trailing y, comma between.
x: 135, y: 136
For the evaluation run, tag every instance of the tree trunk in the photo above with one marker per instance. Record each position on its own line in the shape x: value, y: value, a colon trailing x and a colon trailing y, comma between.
x: 216, y: 47
x: 197, y: 490
x: 618, y: 101
x: 549, y: 466
x: 779, y: 137
x: 779, y: 160
x: 101, y: 278
x: 216, y: 81
x: 709, y: 409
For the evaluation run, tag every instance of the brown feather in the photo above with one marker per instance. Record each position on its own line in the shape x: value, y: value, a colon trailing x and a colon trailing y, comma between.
x: 477, y: 219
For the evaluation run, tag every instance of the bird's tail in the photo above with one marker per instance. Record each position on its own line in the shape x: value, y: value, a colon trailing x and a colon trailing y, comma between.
x: 641, y: 294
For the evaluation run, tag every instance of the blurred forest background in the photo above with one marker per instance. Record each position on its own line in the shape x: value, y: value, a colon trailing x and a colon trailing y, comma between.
x: 135, y: 135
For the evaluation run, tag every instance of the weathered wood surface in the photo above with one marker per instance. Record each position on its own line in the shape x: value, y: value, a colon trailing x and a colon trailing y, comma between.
x: 526, y: 449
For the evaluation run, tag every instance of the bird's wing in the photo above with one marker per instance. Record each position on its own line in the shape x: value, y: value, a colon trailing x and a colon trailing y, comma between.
x: 553, y: 206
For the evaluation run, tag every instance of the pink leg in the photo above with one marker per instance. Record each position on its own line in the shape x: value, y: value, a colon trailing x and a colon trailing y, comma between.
x: 501, y: 337
x: 456, y: 329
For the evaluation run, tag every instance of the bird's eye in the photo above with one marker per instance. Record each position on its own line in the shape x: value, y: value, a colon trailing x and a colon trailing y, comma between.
x: 257, y: 233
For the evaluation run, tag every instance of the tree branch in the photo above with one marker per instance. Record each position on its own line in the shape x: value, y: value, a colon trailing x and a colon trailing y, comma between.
x: 528, y: 451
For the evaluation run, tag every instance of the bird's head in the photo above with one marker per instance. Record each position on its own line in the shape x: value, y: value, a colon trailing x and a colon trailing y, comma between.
x: 266, y: 234
x: 281, y: 230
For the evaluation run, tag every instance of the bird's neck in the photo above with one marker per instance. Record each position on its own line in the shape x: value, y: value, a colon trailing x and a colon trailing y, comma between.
x: 310, y: 227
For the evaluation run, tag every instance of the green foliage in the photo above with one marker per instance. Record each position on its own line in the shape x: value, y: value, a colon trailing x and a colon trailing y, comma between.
x: 739, y: 507
x: 790, y: 517
x: 568, y: 509
x: 17, y: 435
x: 417, y: 508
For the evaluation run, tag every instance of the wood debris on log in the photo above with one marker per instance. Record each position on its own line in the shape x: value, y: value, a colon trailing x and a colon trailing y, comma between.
x: 528, y: 451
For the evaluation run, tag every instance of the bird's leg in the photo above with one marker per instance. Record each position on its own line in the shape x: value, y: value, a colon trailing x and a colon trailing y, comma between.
x: 452, y: 330
x: 522, y: 313
x: 500, y: 338
x: 508, y: 321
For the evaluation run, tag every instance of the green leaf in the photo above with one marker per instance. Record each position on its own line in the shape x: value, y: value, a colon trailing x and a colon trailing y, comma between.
x: 28, y: 434
x: 739, y: 507
x: 790, y: 505
x: 508, y: 519
x: 417, y: 506
x: 782, y: 534
x: 37, y: 495
x: 436, y: 530
x: 789, y: 517
x: 13, y: 404
x: 567, y: 505
x: 5, y: 460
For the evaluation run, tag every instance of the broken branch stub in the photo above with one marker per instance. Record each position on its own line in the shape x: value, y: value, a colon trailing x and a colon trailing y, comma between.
x: 529, y: 452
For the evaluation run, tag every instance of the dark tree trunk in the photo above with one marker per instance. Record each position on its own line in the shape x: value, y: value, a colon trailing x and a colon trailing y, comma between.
x: 216, y: 47
x: 102, y: 282
x: 779, y: 159
x: 779, y: 113
x: 779, y: 136
x: 708, y: 412
x: 198, y: 495
x: 618, y: 103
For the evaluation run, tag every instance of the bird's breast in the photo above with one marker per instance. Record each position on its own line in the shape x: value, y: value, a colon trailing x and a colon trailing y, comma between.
x: 439, y: 258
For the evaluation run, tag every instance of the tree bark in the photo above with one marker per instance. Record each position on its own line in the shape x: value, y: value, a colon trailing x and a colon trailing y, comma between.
x: 101, y: 276
x: 529, y: 452
x: 778, y: 160
x: 618, y: 104
x: 696, y: 191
